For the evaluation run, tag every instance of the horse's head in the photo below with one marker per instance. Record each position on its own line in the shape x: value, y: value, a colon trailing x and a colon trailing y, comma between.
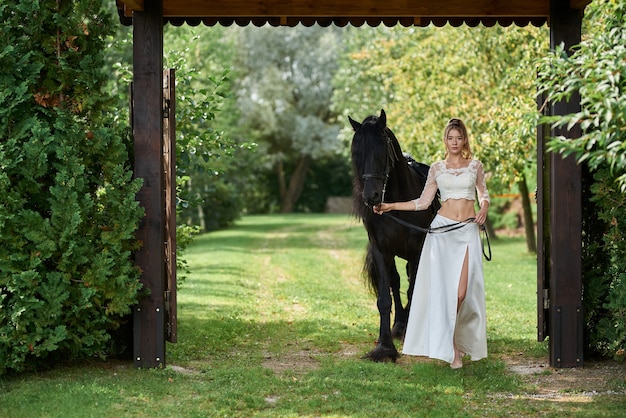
x: 373, y: 157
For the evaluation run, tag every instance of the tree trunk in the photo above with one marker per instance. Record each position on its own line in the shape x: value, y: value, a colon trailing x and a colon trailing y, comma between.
x: 280, y: 172
x: 529, y: 224
x: 296, y: 183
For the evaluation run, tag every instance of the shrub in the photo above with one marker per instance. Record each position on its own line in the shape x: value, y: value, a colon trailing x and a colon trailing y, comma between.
x: 68, y: 212
x: 604, y: 277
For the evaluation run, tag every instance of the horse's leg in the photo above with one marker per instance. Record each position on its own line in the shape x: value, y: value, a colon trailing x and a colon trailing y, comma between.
x: 400, y: 317
x: 411, y: 271
x: 385, y: 349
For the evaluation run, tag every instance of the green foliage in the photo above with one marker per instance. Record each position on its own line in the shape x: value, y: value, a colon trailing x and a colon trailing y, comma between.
x: 68, y: 213
x: 425, y: 76
x: 206, y: 155
x: 604, y: 276
x: 597, y: 70
x: 203, y: 152
x: 208, y: 166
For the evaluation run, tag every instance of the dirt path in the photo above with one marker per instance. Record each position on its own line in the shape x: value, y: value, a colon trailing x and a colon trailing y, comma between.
x: 545, y: 382
x: 594, y: 378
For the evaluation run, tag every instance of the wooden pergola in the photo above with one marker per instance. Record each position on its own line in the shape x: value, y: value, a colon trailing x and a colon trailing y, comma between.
x: 559, y: 272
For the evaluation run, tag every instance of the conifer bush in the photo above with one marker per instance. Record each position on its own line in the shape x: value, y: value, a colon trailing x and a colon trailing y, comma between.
x: 68, y: 212
x: 605, y: 278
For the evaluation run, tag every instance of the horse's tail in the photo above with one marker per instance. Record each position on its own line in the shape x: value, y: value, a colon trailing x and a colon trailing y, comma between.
x: 370, y: 272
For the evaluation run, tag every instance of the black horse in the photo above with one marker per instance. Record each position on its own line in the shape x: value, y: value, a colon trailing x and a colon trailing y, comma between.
x: 382, y: 172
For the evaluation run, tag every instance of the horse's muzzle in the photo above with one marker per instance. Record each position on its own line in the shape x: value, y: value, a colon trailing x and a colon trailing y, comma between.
x: 374, y: 186
x: 372, y: 200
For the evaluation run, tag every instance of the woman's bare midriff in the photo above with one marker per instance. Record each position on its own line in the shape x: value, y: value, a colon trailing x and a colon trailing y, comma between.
x: 457, y: 209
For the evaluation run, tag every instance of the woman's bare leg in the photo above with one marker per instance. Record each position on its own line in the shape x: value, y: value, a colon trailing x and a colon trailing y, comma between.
x: 458, y: 356
x: 463, y: 282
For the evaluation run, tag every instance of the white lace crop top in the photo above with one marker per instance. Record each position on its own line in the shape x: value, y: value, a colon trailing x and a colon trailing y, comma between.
x: 454, y: 183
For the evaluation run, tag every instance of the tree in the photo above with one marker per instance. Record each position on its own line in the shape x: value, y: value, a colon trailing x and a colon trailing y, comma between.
x: 284, y: 95
x: 424, y: 76
x: 68, y: 212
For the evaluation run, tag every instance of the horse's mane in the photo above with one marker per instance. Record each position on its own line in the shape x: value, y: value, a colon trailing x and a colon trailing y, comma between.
x: 365, y: 144
x: 370, y: 142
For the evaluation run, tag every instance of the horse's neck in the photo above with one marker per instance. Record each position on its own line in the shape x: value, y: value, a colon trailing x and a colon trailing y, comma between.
x: 403, y: 183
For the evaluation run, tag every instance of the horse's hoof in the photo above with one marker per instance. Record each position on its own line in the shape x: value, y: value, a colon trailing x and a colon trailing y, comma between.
x: 383, y: 355
x: 398, y: 331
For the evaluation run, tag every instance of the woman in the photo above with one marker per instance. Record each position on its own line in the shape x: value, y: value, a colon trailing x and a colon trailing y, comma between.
x: 447, y: 316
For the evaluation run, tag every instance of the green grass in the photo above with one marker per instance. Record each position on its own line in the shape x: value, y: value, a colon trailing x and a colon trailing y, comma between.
x: 274, y: 320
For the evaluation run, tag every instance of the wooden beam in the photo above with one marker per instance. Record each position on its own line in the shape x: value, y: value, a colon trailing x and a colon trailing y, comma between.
x: 543, y: 225
x: 169, y: 169
x: 361, y: 8
x: 134, y: 5
x: 149, y: 315
x: 565, y: 292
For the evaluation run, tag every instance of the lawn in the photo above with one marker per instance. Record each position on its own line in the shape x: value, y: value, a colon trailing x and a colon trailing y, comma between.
x: 273, y: 321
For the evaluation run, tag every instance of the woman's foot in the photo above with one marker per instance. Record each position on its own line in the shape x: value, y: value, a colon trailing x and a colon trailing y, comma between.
x: 457, y: 363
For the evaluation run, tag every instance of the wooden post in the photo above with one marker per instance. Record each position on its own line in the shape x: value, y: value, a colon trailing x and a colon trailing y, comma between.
x: 543, y: 228
x: 565, y: 212
x: 149, y: 325
x: 169, y: 171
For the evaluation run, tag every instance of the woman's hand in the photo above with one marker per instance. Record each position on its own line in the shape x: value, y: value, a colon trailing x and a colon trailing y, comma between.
x: 481, y: 216
x: 383, y: 207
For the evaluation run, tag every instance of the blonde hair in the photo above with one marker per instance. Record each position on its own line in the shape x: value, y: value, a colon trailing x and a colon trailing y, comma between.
x: 458, y: 124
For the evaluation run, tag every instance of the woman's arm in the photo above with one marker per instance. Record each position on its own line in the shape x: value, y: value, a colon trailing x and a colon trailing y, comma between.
x: 483, y: 195
x: 421, y: 203
x: 386, y: 207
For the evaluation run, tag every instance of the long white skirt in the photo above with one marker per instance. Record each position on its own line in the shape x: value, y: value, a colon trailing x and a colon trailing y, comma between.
x: 433, y: 321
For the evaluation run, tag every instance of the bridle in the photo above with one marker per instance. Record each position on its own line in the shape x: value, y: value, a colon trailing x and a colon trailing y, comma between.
x: 391, y: 158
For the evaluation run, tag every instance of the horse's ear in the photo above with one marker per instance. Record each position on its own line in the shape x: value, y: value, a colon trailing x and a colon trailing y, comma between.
x: 382, y: 119
x: 355, y: 125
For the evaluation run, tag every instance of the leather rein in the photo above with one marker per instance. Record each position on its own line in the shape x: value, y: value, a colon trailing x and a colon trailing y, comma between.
x: 447, y: 228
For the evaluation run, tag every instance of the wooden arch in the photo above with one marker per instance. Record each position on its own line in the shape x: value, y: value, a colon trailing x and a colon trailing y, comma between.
x: 559, y: 197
